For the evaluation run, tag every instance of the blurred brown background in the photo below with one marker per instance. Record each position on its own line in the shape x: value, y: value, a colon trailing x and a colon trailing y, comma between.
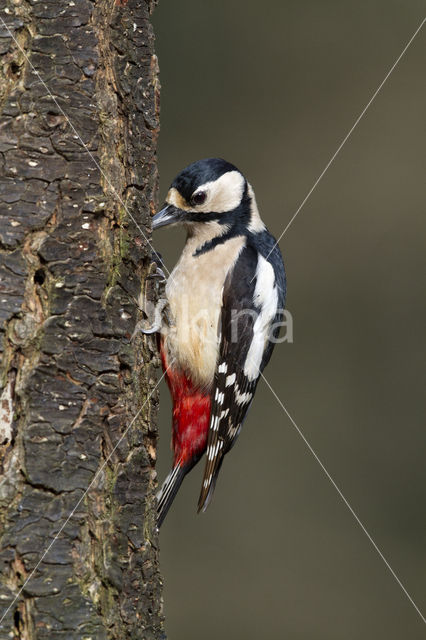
x: 274, y: 87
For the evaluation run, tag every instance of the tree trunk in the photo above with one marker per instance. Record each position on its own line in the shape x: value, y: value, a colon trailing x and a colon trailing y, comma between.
x: 79, y: 103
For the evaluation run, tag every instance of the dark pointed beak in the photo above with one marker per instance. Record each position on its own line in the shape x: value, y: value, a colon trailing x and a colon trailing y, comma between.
x: 168, y: 215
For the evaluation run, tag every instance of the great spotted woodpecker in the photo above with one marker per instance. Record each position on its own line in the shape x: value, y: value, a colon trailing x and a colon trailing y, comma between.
x: 225, y: 304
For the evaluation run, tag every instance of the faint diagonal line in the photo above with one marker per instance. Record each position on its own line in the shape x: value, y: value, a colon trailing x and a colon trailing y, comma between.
x: 95, y: 477
x: 313, y: 452
x: 95, y: 162
x: 347, y: 136
x: 321, y: 464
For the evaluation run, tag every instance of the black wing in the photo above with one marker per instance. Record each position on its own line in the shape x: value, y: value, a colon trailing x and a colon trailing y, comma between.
x: 252, y: 304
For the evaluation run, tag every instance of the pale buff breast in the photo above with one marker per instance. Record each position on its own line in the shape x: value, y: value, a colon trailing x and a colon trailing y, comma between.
x: 194, y: 292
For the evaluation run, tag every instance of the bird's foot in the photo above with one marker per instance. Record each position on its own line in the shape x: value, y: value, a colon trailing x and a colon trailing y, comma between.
x: 158, y: 275
x: 154, y: 321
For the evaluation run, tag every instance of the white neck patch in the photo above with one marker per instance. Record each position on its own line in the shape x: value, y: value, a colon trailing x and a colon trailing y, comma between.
x: 256, y: 224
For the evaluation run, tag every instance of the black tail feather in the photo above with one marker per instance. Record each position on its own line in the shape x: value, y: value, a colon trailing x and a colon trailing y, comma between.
x: 207, y: 488
x: 168, y: 491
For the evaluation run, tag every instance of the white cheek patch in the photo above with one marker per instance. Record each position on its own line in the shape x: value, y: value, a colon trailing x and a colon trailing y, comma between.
x: 266, y: 298
x: 223, y: 194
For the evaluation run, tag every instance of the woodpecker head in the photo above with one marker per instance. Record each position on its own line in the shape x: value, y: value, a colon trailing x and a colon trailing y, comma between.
x: 210, y: 191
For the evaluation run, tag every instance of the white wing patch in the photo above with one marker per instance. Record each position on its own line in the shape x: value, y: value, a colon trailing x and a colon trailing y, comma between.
x: 230, y: 380
x: 242, y: 398
x: 216, y: 419
x: 266, y: 299
x: 235, y: 431
x: 219, y: 396
x: 214, y: 450
x: 215, y: 423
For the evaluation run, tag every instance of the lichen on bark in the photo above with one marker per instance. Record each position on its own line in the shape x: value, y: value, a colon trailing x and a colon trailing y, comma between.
x: 79, y: 124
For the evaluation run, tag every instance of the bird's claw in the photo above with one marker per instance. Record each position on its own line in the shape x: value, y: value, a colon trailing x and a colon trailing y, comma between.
x: 139, y: 328
x: 156, y: 323
x: 159, y: 274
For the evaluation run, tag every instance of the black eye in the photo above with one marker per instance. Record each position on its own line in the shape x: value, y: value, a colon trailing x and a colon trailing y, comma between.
x: 199, y: 197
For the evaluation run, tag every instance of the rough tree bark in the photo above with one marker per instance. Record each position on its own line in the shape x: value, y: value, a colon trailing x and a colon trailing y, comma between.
x: 79, y: 105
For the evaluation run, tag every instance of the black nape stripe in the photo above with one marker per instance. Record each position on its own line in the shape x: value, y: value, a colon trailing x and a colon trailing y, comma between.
x: 211, y: 244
